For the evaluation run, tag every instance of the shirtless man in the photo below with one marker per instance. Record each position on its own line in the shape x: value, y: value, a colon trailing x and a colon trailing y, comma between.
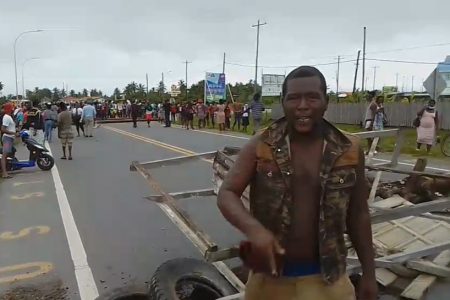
x: 308, y: 188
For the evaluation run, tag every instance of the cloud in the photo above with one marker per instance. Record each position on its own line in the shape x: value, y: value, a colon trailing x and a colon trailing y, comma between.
x: 104, y: 44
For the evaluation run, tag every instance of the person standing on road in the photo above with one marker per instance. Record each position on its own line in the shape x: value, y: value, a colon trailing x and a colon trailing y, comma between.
x: 227, y: 116
x: 166, y: 107
x: 8, y: 130
x: 428, y: 127
x: 212, y: 109
x: 237, y: 109
x: 220, y: 115
x: 371, y: 112
x: 135, y: 108
x: 307, y: 189
x: 50, y: 117
x: 77, y: 111
x: 257, y: 108
x: 88, y: 117
x: 245, y: 117
x: 65, y: 132
x: 148, y: 113
x: 202, y: 111
x: 190, y: 115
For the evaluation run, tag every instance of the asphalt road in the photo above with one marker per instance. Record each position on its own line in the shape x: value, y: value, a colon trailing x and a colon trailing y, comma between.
x: 109, y: 231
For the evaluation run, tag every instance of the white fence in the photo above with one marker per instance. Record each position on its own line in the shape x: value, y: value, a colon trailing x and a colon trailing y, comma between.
x: 399, y: 114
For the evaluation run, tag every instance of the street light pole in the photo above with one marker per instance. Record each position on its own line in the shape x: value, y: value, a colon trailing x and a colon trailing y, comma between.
x: 374, y: 75
x: 187, y: 62
x: 23, y: 73
x: 15, y: 57
x: 257, y: 50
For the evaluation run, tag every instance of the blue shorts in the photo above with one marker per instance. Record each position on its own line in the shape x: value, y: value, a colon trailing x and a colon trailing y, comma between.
x: 297, y: 269
x: 7, y: 143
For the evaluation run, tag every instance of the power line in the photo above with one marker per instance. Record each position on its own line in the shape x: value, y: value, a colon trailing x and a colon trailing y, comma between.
x: 408, y: 62
x: 292, y: 66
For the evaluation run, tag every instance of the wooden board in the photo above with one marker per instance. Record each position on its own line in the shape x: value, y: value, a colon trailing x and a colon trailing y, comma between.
x: 418, y: 287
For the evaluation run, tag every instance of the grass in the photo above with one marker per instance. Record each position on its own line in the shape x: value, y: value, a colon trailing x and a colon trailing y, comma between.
x: 386, y: 144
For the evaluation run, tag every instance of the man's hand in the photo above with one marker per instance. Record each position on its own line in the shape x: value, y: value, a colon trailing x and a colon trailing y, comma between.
x: 265, y: 249
x: 368, y: 289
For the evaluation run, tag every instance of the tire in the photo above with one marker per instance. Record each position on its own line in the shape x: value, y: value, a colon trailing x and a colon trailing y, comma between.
x: 45, y: 162
x: 445, y: 146
x: 188, y: 279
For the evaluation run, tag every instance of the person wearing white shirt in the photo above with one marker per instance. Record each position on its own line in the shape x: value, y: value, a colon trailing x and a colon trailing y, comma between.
x: 77, y: 111
x: 8, y: 130
x: 88, y: 117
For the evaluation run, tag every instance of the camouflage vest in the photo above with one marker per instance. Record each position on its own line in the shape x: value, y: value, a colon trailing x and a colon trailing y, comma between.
x: 272, y: 204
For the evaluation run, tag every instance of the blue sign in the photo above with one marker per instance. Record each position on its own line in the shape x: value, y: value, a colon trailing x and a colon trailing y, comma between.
x: 215, y: 87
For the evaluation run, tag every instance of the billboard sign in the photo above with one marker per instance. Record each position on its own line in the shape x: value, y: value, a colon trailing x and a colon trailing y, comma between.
x: 272, y: 84
x: 174, y: 90
x: 215, y: 87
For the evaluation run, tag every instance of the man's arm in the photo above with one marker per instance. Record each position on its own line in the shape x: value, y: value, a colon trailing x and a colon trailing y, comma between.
x: 360, y: 231
x: 230, y: 192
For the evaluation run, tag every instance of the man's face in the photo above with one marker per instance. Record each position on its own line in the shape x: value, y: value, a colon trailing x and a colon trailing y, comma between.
x: 304, y: 104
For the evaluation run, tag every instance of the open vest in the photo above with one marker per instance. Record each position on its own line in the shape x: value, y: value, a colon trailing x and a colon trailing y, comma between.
x: 271, y: 201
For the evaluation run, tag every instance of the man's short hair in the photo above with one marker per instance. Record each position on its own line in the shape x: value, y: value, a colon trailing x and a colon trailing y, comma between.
x: 302, y: 72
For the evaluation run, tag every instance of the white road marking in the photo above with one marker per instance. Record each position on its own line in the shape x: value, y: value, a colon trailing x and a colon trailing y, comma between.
x: 85, y: 278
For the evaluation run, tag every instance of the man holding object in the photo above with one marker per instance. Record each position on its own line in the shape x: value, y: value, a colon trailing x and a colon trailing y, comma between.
x: 307, y: 188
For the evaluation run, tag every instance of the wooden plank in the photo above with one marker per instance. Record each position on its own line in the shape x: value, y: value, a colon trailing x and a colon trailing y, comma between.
x: 373, y: 190
x: 429, y: 268
x: 397, y: 213
x: 390, y: 202
x: 183, y: 195
x: 398, y: 147
x: 397, y: 171
x: 175, y: 160
x: 376, y: 133
x: 417, y: 288
x: 384, y: 276
x: 179, y: 217
x: 372, y: 150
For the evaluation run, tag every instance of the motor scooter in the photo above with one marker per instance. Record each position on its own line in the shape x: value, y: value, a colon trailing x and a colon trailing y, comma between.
x: 38, y: 155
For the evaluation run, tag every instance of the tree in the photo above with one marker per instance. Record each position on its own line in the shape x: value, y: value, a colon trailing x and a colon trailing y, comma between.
x: 116, y: 94
x: 63, y: 93
x: 161, y: 88
x: 85, y: 93
x: 130, y: 91
x: 1, y: 86
x: 72, y: 93
x: 94, y: 93
x: 56, y: 94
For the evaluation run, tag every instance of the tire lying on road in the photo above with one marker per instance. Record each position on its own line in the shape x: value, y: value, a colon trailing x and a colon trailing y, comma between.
x: 188, y: 279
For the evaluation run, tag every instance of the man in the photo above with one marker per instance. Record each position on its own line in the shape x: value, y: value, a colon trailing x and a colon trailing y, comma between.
x: 307, y: 188
x: 88, y: 117
x: 166, y: 108
x: 257, y: 108
x: 8, y: 130
x: 372, y: 121
x: 77, y: 111
x: 135, y: 110
x: 202, y: 111
x: 50, y: 118
x: 65, y: 132
x: 237, y: 109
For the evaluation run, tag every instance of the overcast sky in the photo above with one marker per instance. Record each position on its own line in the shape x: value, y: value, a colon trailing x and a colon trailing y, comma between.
x: 105, y: 44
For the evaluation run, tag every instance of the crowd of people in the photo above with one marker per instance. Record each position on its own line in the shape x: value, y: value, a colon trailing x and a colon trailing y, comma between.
x: 208, y: 115
x: 426, y: 121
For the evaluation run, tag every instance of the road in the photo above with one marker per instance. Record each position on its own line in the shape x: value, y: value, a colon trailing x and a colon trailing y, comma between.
x: 85, y: 228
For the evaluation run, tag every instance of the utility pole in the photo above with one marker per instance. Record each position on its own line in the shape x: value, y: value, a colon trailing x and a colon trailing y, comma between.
x: 374, y: 75
x: 257, y: 51
x: 146, y: 79
x: 412, y: 84
x: 187, y: 62
x: 356, y: 72
x: 364, y: 62
x: 223, y: 66
x: 396, y: 81
x: 337, y: 78
x: 162, y: 78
